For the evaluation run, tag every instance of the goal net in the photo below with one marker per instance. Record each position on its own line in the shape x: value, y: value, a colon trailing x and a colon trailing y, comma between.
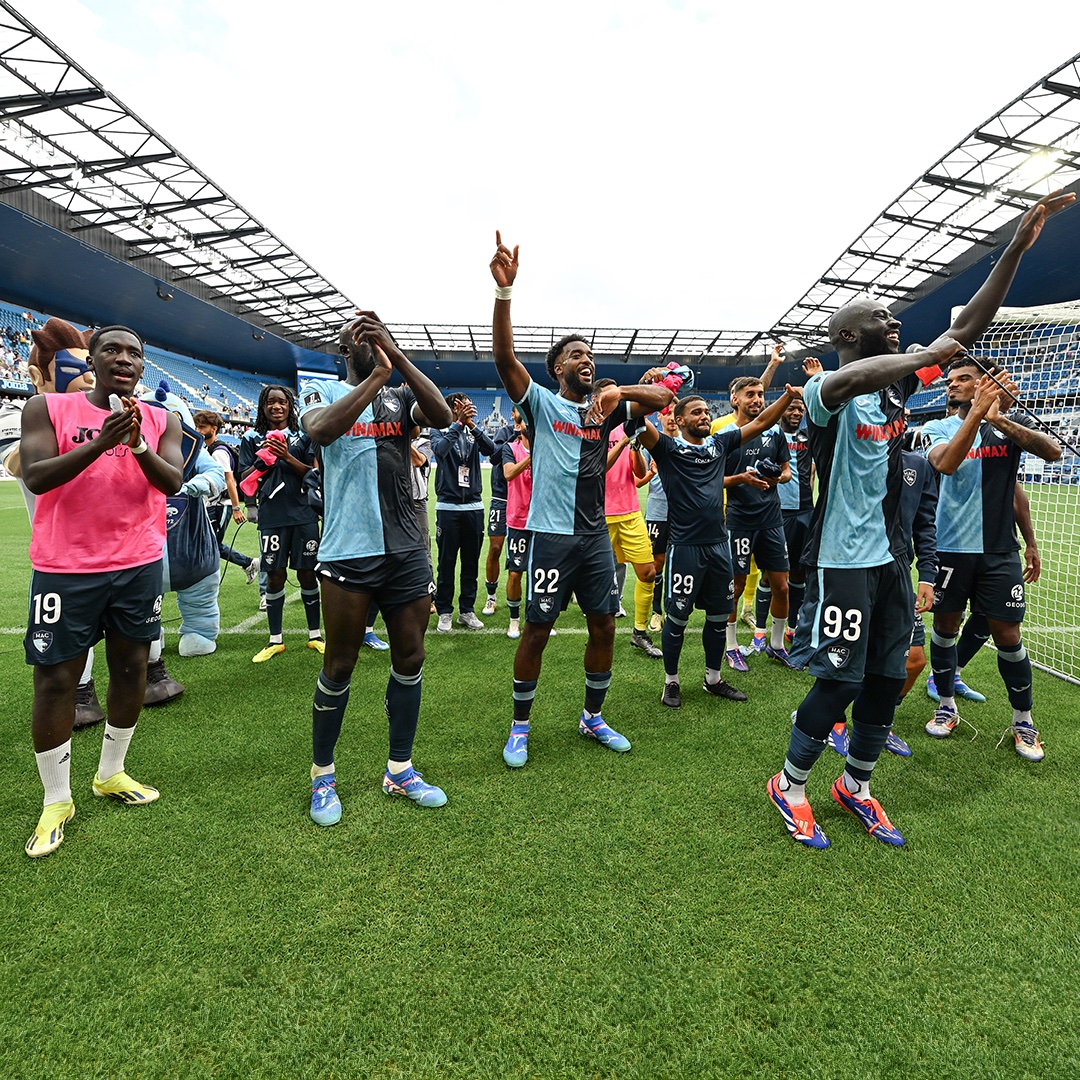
x: 1040, y: 348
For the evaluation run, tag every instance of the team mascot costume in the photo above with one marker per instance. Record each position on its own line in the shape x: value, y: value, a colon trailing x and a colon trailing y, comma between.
x: 191, y: 553
x: 57, y: 366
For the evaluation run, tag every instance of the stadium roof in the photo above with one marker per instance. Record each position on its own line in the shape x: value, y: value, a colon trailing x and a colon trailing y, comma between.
x: 66, y: 138
x: 75, y: 158
x: 954, y: 212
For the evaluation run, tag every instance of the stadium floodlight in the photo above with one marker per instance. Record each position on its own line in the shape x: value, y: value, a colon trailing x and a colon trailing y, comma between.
x: 1038, y: 165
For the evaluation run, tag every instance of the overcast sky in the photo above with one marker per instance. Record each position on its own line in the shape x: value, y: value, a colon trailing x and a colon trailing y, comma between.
x: 682, y: 164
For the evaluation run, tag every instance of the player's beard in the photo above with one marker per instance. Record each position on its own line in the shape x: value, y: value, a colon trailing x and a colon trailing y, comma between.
x: 576, y: 386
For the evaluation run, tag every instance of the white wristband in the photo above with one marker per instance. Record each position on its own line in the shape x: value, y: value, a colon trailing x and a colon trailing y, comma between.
x: 141, y: 448
x: 502, y: 292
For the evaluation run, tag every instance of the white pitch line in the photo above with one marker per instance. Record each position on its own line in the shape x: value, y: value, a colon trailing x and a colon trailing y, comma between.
x: 258, y: 619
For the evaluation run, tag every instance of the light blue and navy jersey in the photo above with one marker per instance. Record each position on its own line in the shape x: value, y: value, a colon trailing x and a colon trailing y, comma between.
x: 656, y: 505
x: 569, y: 462
x: 281, y: 496
x: 975, y: 504
x: 749, y: 507
x: 367, y: 493
x: 797, y: 495
x: 693, y: 478
x: 857, y: 449
x: 918, y: 513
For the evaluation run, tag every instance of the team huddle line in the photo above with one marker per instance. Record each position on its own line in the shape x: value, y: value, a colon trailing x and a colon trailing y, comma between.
x: 835, y: 598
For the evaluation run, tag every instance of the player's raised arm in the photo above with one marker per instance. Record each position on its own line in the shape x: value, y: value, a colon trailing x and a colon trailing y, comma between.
x: 648, y: 437
x: 776, y: 358
x: 432, y: 408
x: 770, y: 416
x: 504, y: 268
x: 980, y: 310
x: 368, y: 372
x: 874, y: 373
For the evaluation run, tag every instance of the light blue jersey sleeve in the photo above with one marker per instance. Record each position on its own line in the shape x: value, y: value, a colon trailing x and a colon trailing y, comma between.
x: 317, y: 394
x: 935, y: 433
x: 817, y: 410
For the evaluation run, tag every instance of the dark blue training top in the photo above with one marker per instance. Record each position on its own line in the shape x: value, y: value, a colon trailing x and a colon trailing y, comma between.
x: 749, y: 507
x: 693, y: 478
x: 457, y: 451
x: 281, y: 498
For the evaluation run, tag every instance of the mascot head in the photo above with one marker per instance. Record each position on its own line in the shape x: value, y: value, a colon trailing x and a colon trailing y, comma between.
x: 190, y: 440
x: 58, y: 359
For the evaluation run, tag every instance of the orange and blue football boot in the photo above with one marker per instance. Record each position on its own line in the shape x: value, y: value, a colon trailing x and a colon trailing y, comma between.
x: 798, y: 819
x: 869, y: 812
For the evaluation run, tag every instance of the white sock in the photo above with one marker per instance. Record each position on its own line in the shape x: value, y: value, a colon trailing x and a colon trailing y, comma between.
x: 1022, y: 716
x: 155, y: 650
x: 313, y: 635
x: 776, y: 639
x: 54, y: 768
x: 859, y: 788
x: 322, y: 770
x: 114, y: 747
x: 669, y: 679
x: 732, y: 640
x: 794, y: 793
x: 947, y: 703
x: 275, y: 639
x: 712, y: 675
x: 395, y: 768
x: 369, y: 629
x: 88, y: 668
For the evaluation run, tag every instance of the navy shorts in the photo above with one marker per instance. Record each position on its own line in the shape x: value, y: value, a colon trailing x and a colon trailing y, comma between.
x: 698, y: 575
x: 993, y: 583
x: 69, y: 613
x: 855, y: 622
x: 395, y: 580
x: 767, y: 546
x: 559, y: 566
x: 496, y: 525
x: 517, y: 550
x: 796, y: 534
x: 291, y: 545
x: 658, y: 535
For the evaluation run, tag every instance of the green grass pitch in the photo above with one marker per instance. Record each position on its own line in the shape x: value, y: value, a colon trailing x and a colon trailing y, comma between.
x: 591, y: 915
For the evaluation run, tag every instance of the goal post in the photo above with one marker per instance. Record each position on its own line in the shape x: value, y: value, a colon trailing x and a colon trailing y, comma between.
x: 1040, y: 349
